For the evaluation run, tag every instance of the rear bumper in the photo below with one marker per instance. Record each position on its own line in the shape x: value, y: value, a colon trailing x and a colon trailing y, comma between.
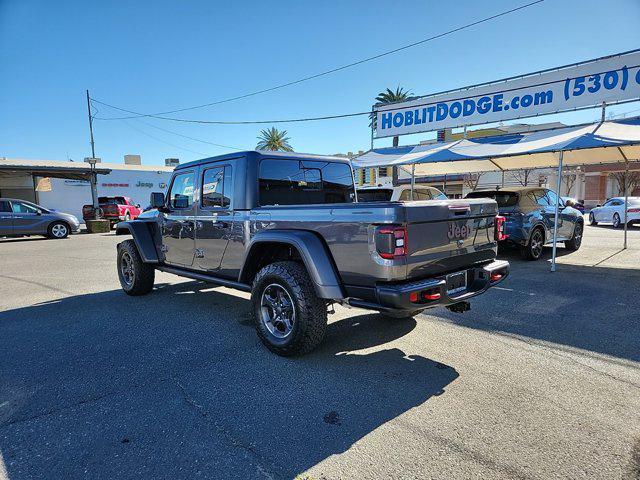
x: 397, y: 297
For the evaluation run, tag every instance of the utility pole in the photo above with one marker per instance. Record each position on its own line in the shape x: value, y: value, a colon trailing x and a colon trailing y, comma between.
x: 92, y: 163
x: 93, y: 148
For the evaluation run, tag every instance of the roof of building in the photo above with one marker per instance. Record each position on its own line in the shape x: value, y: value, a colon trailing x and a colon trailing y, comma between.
x: 29, y: 164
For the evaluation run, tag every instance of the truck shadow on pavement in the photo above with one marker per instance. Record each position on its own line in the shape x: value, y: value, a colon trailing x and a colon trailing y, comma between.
x: 175, y: 385
x: 591, y: 308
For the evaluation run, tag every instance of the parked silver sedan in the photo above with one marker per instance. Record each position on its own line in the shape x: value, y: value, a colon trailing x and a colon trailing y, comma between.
x: 21, y: 218
x: 613, y: 212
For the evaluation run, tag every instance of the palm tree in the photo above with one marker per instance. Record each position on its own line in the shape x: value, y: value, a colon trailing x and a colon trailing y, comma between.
x: 389, y: 96
x: 274, y: 139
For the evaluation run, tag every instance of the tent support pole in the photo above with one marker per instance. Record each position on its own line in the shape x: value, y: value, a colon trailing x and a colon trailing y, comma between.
x: 501, y: 169
x: 626, y: 195
x: 626, y: 201
x: 555, y: 218
x: 413, y: 179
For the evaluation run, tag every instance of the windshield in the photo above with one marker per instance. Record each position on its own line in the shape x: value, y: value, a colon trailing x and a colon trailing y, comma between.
x: 504, y: 199
x: 375, y: 195
x: 634, y: 201
x: 111, y: 200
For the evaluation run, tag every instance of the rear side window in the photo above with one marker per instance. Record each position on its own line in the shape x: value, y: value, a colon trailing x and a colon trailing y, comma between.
x: 4, y: 206
x: 216, y: 187
x: 182, y: 188
x: 539, y: 197
x: 305, y: 182
x: 19, y: 207
x: 504, y: 199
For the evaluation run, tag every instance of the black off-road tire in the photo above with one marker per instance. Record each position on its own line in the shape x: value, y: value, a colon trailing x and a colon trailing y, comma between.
x: 310, y: 321
x: 142, y: 274
x: 530, y: 251
x: 592, y: 219
x: 576, y: 239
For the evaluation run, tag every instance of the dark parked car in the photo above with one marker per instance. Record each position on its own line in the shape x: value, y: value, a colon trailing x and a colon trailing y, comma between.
x: 574, y: 203
x: 530, y: 215
x: 285, y: 227
x: 21, y: 218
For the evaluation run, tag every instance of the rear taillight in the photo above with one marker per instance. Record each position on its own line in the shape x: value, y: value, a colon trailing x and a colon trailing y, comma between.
x: 500, y: 228
x: 391, y: 241
x: 633, y: 210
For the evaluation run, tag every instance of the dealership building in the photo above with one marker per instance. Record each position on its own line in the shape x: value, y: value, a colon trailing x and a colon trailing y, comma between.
x: 66, y: 187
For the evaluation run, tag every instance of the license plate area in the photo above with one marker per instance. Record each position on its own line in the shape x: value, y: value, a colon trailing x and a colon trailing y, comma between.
x: 456, y: 282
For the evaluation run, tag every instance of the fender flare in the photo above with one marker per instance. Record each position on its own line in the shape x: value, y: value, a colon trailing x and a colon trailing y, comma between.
x: 143, y: 238
x: 315, y: 255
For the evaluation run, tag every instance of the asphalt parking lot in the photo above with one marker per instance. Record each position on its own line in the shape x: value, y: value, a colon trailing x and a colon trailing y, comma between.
x: 541, y: 379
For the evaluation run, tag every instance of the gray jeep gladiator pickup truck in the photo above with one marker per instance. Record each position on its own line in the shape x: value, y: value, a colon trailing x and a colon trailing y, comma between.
x: 287, y: 227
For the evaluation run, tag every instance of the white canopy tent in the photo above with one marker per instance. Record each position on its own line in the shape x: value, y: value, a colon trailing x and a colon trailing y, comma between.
x: 596, y: 143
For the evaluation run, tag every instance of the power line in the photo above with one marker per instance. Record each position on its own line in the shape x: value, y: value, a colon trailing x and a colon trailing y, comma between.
x: 429, y: 100
x: 229, y: 122
x: 190, y: 138
x: 163, y: 141
x: 321, y: 74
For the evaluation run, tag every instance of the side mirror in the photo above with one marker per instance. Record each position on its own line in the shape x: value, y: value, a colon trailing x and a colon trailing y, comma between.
x: 157, y: 200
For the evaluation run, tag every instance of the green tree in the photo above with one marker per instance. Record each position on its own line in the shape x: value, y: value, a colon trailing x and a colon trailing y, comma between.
x: 274, y: 140
x: 389, y: 96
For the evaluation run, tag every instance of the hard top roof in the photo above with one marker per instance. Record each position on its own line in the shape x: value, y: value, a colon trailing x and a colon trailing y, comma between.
x: 257, y: 155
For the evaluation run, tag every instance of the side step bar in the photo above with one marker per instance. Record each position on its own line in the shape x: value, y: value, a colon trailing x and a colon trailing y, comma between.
x: 203, y: 277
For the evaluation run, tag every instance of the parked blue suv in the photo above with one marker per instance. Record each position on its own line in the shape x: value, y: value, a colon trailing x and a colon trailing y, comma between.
x: 530, y: 214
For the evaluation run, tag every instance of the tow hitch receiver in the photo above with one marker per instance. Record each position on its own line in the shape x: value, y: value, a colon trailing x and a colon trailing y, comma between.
x: 459, y: 307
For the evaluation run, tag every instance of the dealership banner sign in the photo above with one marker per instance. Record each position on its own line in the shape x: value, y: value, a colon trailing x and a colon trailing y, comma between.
x: 612, y: 79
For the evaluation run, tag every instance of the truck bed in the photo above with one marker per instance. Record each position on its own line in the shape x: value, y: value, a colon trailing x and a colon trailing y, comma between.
x: 348, y: 230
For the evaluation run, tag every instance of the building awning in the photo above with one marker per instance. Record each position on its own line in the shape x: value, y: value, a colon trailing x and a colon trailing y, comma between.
x: 594, y: 143
x: 48, y: 168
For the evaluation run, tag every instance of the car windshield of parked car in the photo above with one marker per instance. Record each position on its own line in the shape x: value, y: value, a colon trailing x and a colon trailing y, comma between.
x: 503, y: 199
x: 111, y: 200
x: 305, y: 182
x: 422, y: 193
x: 375, y: 195
x: 634, y: 201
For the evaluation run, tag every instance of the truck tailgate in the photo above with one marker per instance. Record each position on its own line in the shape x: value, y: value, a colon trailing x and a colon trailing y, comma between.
x: 448, y: 235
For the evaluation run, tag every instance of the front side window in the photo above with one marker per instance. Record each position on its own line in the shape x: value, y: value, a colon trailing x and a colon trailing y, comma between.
x: 19, y: 207
x: 182, y: 190
x: 553, y: 198
x: 305, y: 182
x: 216, y: 187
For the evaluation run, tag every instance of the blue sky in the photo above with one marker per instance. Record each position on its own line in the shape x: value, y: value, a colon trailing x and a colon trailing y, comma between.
x: 161, y: 55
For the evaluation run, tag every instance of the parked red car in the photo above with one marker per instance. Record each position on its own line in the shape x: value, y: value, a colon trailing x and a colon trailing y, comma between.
x: 114, y: 209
